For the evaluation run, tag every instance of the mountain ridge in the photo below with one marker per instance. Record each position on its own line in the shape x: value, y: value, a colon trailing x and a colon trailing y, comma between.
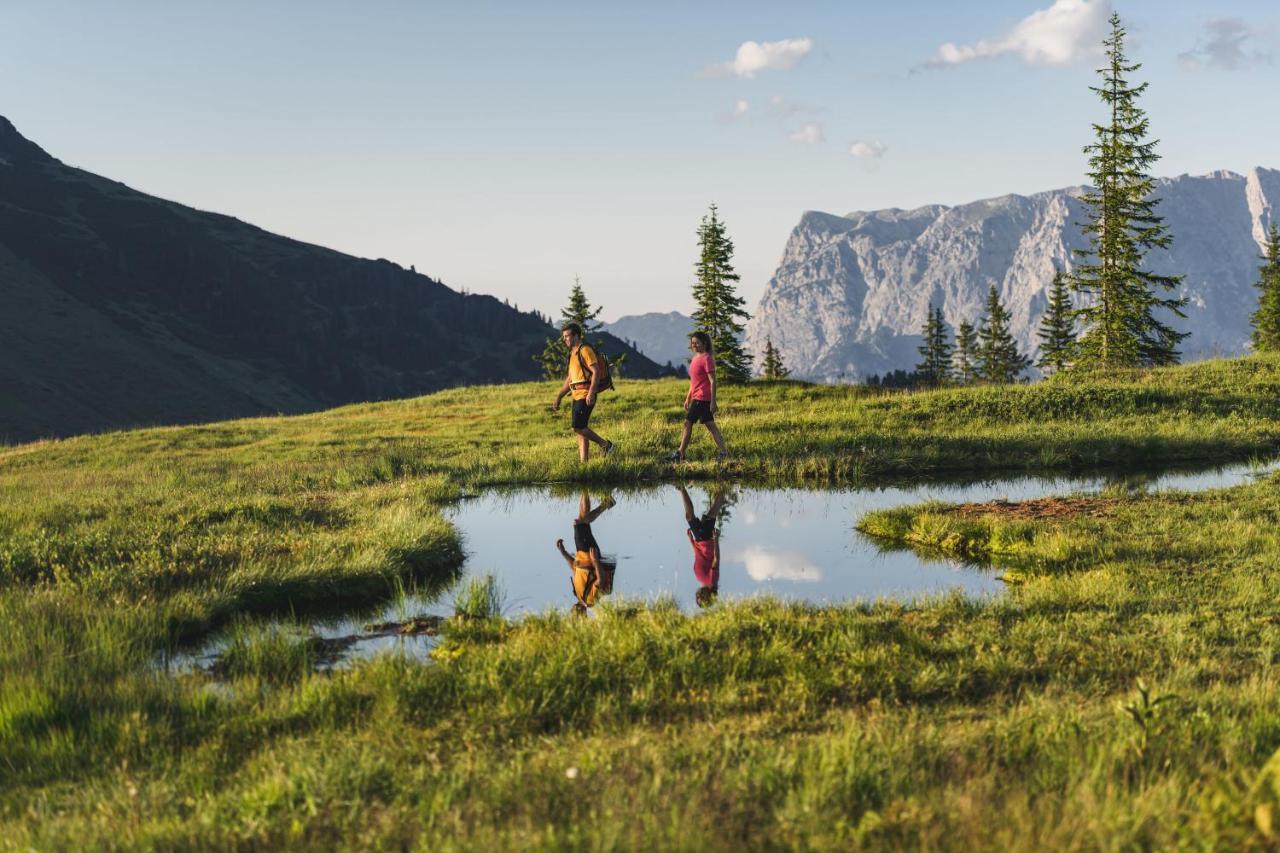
x: 851, y: 292
x: 118, y: 309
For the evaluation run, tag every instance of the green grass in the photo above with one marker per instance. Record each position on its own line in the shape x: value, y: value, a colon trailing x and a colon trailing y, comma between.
x: 1018, y: 722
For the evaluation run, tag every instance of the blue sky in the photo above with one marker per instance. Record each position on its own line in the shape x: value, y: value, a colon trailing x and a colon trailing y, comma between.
x: 506, y: 147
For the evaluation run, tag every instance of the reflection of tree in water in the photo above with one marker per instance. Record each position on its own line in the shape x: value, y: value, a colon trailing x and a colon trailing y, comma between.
x: 1128, y: 485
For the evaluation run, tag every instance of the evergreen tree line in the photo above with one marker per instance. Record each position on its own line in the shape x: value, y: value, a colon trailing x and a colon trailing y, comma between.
x: 1117, y: 324
x: 985, y: 353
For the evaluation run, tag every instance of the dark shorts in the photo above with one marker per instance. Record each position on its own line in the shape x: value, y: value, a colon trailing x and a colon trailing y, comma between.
x: 702, y: 528
x: 583, y: 538
x: 581, y: 413
x: 699, y: 412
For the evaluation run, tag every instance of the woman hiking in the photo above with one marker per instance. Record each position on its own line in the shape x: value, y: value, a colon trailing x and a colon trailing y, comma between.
x: 700, y: 401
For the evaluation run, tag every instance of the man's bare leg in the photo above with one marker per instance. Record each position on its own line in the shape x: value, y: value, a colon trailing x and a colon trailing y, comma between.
x: 585, y: 436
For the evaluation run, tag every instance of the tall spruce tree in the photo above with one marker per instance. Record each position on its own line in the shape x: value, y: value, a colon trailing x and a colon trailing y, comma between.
x: 1120, y: 327
x: 964, y: 363
x: 555, y: 355
x: 935, y: 351
x: 773, y: 366
x: 998, y: 357
x: 1057, y: 328
x: 1266, y: 320
x: 719, y: 308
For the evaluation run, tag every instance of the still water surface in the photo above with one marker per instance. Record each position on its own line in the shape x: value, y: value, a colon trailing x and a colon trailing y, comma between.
x: 793, y: 544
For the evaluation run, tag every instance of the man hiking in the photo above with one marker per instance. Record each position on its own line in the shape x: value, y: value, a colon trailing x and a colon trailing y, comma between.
x: 583, y: 380
x: 700, y: 400
x: 592, y: 573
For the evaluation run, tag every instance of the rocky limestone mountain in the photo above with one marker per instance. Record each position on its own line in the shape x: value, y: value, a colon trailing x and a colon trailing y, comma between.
x: 662, y: 337
x: 851, y: 292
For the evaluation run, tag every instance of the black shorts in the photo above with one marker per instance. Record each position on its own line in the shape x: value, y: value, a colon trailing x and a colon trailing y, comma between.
x: 583, y: 538
x: 699, y: 412
x: 581, y: 413
x: 702, y: 528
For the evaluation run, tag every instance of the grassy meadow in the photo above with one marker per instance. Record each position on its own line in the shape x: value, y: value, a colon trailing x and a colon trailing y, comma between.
x: 1122, y: 694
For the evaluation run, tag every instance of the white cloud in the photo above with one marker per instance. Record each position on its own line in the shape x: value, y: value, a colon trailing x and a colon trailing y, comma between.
x: 1224, y: 46
x: 740, y: 107
x: 810, y: 134
x: 868, y: 150
x: 1067, y: 31
x: 764, y: 564
x: 762, y: 56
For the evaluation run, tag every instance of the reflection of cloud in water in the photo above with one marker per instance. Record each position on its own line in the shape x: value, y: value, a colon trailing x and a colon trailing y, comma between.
x: 749, y: 517
x: 764, y: 564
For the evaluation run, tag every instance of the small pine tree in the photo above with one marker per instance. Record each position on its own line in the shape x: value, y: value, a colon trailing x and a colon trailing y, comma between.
x: 1120, y: 328
x: 935, y: 352
x: 1266, y: 320
x: 773, y: 366
x: 719, y: 308
x: 1057, y: 328
x: 964, y: 364
x: 555, y: 355
x: 998, y: 357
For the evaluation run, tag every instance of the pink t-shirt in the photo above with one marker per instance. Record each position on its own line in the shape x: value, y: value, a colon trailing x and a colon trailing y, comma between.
x: 701, y: 368
x: 704, y: 563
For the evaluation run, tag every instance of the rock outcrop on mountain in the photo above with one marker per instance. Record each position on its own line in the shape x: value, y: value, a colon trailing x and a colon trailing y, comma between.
x: 120, y: 309
x: 852, y: 292
x: 662, y: 337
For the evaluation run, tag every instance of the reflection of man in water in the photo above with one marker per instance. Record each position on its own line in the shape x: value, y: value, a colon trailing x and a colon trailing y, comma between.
x: 592, y: 574
x: 705, y: 539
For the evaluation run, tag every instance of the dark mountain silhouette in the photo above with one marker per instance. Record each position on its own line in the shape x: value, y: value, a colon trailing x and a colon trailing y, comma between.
x: 120, y: 309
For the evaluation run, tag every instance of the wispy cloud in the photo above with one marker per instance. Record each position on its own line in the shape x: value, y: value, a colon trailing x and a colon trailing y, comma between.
x: 1067, y: 31
x: 864, y: 150
x: 810, y: 134
x: 765, y: 564
x: 753, y: 57
x: 1226, y: 45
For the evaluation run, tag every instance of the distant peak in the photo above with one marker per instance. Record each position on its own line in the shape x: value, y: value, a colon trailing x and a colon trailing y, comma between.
x: 16, y: 148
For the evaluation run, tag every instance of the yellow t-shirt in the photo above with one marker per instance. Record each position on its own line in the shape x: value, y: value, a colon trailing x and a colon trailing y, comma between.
x: 586, y: 586
x: 581, y: 379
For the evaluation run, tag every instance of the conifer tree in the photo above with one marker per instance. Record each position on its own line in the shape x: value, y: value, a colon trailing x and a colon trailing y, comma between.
x: 719, y: 308
x: 935, y: 352
x: 1266, y: 320
x: 998, y: 357
x: 555, y: 355
x: 773, y: 366
x: 1120, y: 324
x: 964, y: 364
x: 1057, y: 328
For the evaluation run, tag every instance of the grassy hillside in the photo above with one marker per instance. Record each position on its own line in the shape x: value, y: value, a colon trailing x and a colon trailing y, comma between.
x: 119, y: 309
x: 1121, y: 694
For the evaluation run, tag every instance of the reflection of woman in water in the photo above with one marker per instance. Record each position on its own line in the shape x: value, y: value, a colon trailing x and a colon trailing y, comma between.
x: 592, y: 574
x: 705, y: 540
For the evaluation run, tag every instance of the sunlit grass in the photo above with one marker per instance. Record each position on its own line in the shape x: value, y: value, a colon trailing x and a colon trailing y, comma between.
x: 1015, y: 722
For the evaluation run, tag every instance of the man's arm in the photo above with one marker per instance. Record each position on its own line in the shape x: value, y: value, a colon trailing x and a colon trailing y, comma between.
x: 564, y: 389
x: 564, y: 553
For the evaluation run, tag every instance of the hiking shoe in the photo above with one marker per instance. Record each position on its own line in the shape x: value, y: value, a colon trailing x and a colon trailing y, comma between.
x: 675, y: 456
x: 608, y: 502
x: 722, y: 456
x: 608, y: 448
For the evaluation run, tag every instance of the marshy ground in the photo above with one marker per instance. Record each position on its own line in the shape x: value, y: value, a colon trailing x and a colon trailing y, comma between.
x: 1121, y: 693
